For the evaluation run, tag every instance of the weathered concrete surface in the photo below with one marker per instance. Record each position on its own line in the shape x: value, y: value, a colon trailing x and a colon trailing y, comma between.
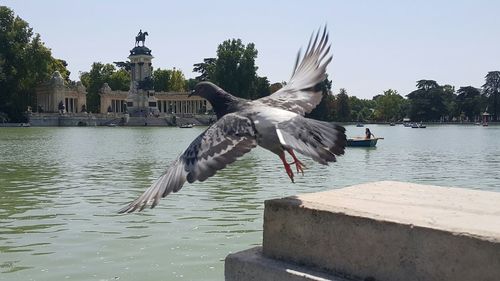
x: 251, y: 265
x: 389, y: 231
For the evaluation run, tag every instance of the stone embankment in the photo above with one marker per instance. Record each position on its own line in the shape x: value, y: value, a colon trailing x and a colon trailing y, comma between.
x: 377, y: 231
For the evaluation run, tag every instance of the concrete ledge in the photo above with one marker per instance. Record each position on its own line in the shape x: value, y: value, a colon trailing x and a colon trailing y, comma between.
x: 389, y: 231
x: 251, y: 265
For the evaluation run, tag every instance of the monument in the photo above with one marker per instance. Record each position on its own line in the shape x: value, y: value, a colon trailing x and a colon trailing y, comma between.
x: 61, y: 103
x: 141, y: 100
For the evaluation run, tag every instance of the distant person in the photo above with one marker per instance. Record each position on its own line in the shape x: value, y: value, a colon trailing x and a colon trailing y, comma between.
x: 61, y: 107
x: 368, y: 134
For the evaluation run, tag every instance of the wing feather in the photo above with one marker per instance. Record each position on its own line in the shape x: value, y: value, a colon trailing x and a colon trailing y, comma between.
x: 301, y: 94
x: 221, y: 144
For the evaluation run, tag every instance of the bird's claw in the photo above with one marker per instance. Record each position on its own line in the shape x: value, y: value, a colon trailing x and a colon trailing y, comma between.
x: 299, y: 166
x: 289, y: 172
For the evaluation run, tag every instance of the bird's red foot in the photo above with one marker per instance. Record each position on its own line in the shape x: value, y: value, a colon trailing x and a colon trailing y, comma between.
x: 287, y: 167
x: 298, y: 164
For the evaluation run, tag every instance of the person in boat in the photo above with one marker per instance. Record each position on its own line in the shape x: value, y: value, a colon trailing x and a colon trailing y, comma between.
x: 368, y: 134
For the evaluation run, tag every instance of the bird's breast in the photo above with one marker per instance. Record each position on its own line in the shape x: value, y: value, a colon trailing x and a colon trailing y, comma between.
x: 265, y: 121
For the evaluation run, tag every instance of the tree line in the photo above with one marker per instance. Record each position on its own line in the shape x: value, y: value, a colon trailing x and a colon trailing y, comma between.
x: 25, y: 63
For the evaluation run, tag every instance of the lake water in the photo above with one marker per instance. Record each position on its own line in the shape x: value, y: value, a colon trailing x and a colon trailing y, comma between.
x: 60, y: 189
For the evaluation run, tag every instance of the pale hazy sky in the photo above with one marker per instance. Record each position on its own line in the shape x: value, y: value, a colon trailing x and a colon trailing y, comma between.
x: 376, y: 45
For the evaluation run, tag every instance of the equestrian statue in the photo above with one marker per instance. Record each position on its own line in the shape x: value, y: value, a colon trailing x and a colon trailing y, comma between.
x: 141, y: 37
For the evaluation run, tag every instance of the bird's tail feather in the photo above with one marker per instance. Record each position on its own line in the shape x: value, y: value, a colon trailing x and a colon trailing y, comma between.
x: 322, y: 141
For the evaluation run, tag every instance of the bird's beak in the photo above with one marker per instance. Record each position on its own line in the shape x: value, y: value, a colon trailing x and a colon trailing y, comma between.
x: 191, y: 94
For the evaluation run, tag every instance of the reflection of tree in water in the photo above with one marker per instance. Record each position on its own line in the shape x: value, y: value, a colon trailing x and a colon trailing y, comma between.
x: 25, y: 188
x: 26, y: 191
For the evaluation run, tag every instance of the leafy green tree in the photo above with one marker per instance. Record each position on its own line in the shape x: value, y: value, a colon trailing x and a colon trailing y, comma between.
x: 235, y: 69
x: 428, y: 102
x: 124, y: 65
x: 361, y: 109
x: 205, y: 68
x: 25, y: 62
x: 492, y: 90
x: 61, y: 66
x: 161, y: 79
x: 450, y: 102
x: 119, y: 80
x: 191, y: 83
x: 177, y: 81
x: 426, y: 84
x: 469, y: 102
x: 262, y: 87
x: 388, y: 106
x: 325, y: 110
x: 343, y: 108
x: 93, y: 80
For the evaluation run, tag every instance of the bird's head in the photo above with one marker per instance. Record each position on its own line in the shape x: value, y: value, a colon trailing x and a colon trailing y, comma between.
x: 207, y: 90
x: 218, y: 98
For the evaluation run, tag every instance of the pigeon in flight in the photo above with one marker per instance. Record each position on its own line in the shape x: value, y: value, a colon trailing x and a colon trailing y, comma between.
x: 275, y: 122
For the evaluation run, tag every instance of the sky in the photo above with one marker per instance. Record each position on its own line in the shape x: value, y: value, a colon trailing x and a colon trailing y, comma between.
x: 376, y: 45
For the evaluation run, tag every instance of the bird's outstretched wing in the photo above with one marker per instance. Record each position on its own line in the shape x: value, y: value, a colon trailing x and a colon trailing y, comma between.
x: 229, y: 138
x: 302, y: 94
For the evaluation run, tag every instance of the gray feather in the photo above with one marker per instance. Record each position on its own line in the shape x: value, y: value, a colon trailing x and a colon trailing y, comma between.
x: 221, y: 144
x: 300, y: 95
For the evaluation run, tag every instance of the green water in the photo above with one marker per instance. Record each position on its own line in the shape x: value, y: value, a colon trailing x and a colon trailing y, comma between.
x: 60, y: 189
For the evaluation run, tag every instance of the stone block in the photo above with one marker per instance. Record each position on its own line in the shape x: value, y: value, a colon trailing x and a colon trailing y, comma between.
x: 389, y: 231
x: 251, y: 265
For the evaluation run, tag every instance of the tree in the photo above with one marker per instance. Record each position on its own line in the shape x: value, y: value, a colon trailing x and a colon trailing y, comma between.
x: 206, y: 68
x: 325, y: 110
x: 25, y: 62
x: 426, y: 84
x: 262, y: 87
x: 428, y: 102
x: 450, y: 102
x: 343, y: 108
x: 119, y: 80
x: 388, y: 106
x: 492, y: 90
x: 191, y: 83
x: 61, y: 66
x: 93, y: 80
x: 361, y: 109
x: 469, y: 102
x: 161, y: 78
x: 235, y: 69
x: 177, y: 81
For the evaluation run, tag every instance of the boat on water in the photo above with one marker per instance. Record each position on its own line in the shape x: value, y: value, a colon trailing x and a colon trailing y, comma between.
x: 184, y: 126
x: 112, y: 125
x: 406, y: 122
x: 360, y: 125
x: 418, y: 126
x: 362, y: 142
